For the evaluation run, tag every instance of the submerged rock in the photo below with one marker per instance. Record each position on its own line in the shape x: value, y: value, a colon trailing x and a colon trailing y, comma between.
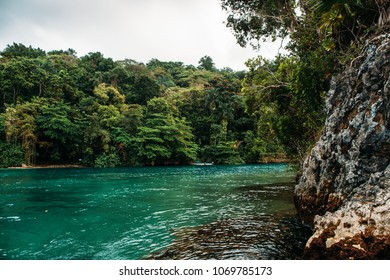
x: 249, y: 238
x: 344, y: 191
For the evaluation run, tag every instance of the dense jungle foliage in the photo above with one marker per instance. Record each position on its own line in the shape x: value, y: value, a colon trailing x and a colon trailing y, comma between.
x: 56, y: 107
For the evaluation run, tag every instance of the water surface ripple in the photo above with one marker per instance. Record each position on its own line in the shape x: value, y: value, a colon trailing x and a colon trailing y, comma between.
x: 128, y: 213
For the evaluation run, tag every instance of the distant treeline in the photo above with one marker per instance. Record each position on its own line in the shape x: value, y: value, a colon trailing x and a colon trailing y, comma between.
x: 56, y: 107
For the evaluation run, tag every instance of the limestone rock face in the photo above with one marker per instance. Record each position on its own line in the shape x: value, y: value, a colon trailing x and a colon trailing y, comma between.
x: 344, y: 192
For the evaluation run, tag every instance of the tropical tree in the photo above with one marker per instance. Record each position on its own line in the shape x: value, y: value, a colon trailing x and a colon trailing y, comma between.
x: 60, y: 133
x: 91, y: 69
x: 18, y: 81
x: 285, y: 99
x: 206, y: 63
x: 63, y: 70
x: 21, y: 128
x: 109, y: 95
x: 164, y: 136
x: 254, y: 20
x: 344, y: 21
x: 19, y: 50
x: 143, y: 90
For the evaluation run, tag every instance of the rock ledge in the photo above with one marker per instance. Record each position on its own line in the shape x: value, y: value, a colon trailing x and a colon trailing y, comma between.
x: 344, y: 191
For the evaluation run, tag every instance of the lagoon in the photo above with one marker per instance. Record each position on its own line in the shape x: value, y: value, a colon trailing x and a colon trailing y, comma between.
x: 129, y: 213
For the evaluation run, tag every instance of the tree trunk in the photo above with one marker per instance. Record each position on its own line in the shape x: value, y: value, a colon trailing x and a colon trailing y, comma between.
x: 14, y: 97
x: 384, y: 16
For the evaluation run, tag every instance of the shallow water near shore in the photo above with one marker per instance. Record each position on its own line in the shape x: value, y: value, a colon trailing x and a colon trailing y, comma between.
x: 136, y: 213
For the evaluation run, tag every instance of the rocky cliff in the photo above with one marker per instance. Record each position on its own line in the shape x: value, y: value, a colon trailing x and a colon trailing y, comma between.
x: 344, y: 192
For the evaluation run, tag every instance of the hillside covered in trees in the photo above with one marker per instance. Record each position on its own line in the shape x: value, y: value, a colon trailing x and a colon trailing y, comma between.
x: 58, y: 108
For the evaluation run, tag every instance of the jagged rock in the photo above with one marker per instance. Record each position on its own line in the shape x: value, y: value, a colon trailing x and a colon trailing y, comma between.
x: 344, y: 191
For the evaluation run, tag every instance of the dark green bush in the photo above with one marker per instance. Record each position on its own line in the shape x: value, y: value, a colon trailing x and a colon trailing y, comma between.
x: 10, y: 155
x: 107, y: 160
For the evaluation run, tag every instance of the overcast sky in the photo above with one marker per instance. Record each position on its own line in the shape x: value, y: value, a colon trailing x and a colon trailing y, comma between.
x: 169, y: 30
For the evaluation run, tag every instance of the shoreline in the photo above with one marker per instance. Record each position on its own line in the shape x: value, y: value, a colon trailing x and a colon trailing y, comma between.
x: 42, y: 166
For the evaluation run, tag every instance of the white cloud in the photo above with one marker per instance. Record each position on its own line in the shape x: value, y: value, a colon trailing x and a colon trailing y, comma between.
x: 177, y: 30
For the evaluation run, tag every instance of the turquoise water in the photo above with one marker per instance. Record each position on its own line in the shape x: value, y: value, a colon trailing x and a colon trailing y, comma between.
x: 126, y: 213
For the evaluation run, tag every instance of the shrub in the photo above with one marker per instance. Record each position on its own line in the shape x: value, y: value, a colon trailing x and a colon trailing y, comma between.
x: 10, y: 155
x: 107, y: 160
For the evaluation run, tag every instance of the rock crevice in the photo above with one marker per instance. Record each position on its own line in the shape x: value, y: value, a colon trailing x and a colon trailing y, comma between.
x: 344, y: 191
